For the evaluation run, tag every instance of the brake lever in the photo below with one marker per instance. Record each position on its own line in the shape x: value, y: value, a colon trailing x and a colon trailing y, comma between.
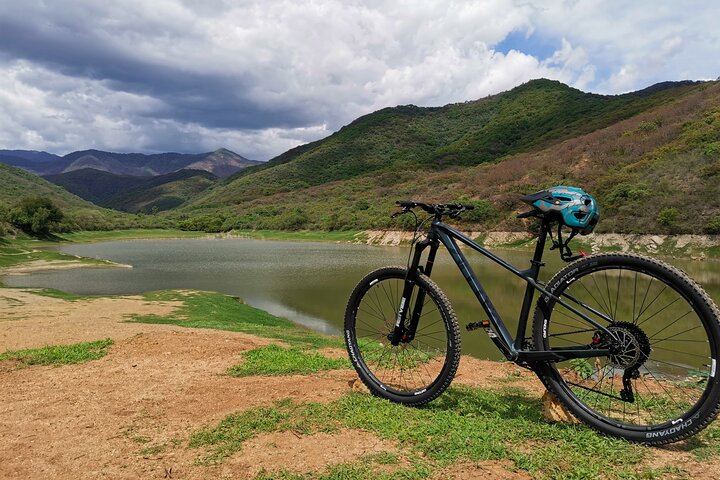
x: 403, y: 211
x: 456, y: 213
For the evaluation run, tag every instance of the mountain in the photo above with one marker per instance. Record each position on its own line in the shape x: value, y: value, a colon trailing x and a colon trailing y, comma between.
x: 29, y: 155
x: 135, y: 194
x: 95, y: 185
x: 651, y: 157
x: 221, y: 162
x: 393, y: 140
x: 162, y: 192
x: 16, y: 183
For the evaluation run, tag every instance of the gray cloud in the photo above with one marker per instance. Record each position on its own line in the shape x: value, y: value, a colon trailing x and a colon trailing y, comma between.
x: 260, y: 77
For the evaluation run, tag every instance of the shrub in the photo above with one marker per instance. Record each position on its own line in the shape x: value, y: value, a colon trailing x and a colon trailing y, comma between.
x: 646, y: 127
x: 483, y: 211
x: 668, y: 218
x: 627, y: 191
x: 203, y: 223
x: 712, y: 226
x: 35, y: 215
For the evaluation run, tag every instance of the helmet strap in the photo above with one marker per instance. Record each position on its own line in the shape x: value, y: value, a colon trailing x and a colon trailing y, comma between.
x: 564, y: 245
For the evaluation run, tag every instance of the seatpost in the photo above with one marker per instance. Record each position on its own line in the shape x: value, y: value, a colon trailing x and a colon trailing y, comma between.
x: 532, y: 273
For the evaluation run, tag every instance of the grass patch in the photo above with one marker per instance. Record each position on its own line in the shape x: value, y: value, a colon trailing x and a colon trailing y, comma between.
x: 54, y: 293
x: 276, y: 360
x: 152, y: 450
x: 706, y: 445
x: 465, y: 424
x: 360, y: 470
x: 23, y: 250
x: 228, y: 436
x: 222, y: 312
x: 60, y: 354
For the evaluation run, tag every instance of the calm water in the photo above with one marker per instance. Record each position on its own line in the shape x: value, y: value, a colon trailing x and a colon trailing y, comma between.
x: 306, y: 282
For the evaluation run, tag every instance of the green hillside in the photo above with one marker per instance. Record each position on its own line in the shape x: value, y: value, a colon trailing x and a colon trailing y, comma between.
x: 163, y: 192
x: 529, y: 117
x: 80, y: 214
x: 16, y: 183
x: 651, y: 157
x: 94, y: 185
x: 135, y: 194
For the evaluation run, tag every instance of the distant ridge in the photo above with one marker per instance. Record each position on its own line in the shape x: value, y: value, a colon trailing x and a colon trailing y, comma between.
x: 221, y: 162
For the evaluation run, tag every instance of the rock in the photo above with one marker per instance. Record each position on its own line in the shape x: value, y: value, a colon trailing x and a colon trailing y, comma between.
x: 554, y: 412
x: 657, y: 240
x: 357, y: 386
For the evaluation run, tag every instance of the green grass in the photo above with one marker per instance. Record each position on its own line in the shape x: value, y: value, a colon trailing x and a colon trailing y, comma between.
x: 465, y: 424
x: 222, y: 312
x: 60, y: 354
x: 21, y: 250
x: 54, y: 293
x: 360, y: 470
x: 276, y: 360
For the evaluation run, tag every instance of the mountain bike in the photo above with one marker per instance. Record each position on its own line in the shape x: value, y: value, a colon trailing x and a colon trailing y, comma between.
x: 627, y: 343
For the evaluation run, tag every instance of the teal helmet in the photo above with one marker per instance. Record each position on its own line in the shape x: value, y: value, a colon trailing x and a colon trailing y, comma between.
x: 571, y: 206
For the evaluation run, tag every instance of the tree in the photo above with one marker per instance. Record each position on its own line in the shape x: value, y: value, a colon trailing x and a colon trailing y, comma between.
x: 35, y: 215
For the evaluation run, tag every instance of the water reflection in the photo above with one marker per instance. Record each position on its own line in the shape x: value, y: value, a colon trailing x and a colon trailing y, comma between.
x: 306, y: 282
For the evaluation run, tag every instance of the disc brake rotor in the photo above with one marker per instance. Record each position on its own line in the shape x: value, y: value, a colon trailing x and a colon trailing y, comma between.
x: 631, y: 346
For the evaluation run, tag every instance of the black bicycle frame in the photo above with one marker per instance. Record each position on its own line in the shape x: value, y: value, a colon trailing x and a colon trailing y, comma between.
x: 513, y: 348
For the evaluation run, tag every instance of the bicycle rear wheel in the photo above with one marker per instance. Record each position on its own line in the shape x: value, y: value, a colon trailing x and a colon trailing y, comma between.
x: 418, y: 369
x: 659, y: 385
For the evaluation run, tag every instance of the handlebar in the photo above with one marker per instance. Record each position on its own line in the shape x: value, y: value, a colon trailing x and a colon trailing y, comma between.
x: 437, y: 209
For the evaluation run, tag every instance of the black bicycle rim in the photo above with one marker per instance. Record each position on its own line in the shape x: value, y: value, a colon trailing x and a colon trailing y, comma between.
x: 667, y: 358
x: 412, y: 367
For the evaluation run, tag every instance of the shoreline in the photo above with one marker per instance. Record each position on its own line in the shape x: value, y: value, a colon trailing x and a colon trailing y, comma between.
x: 24, y: 256
x: 47, y: 265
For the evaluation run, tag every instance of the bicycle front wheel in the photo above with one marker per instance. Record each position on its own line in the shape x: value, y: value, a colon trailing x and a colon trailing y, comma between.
x: 418, y: 369
x: 659, y: 383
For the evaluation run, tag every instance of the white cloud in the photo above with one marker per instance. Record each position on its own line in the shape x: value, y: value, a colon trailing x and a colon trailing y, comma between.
x: 68, y: 113
x: 635, y: 44
x: 262, y: 76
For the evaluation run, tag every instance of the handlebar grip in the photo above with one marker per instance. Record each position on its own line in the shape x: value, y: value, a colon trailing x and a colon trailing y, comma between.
x: 468, y: 206
x: 405, y: 203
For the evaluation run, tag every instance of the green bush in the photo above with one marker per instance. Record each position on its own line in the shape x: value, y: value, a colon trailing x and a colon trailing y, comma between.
x: 712, y: 227
x: 712, y: 149
x: 482, y: 212
x: 668, y: 218
x: 203, y: 223
x: 647, y: 127
x: 37, y: 215
x: 628, y: 191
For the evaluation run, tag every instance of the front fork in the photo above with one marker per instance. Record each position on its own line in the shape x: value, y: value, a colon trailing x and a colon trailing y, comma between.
x: 402, y: 333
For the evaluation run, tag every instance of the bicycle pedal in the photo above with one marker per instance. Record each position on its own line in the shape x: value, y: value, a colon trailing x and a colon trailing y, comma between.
x: 477, y: 325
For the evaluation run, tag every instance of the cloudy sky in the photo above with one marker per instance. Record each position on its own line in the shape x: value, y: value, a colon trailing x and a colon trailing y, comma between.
x: 262, y: 76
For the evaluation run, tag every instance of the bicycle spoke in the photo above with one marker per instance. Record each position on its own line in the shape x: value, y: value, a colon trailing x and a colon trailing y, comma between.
x: 664, y: 388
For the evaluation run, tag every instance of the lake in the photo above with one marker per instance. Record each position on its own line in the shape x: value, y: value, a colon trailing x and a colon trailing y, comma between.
x: 306, y: 282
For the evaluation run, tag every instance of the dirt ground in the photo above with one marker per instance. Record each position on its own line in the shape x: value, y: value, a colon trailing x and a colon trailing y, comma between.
x: 159, y: 383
